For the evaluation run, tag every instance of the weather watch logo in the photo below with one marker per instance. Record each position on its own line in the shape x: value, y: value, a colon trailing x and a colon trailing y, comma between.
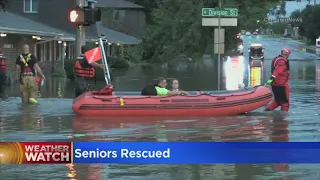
x: 11, y: 153
x: 35, y: 152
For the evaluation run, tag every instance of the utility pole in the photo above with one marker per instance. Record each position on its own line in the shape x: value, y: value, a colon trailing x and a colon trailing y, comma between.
x: 219, y: 58
x: 81, y: 34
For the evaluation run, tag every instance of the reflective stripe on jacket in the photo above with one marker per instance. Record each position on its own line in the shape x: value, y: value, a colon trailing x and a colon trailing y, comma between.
x: 25, y: 61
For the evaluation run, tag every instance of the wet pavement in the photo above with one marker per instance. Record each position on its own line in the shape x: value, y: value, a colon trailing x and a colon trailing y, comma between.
x: 53, y: 120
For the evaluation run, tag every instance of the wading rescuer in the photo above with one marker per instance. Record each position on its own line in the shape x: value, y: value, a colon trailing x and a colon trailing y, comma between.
x: 3, y: 76
x: 280, y: 70
x: 27, y: 65
x: 84, y: 72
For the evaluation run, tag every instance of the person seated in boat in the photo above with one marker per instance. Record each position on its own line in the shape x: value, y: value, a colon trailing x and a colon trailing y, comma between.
x: 160, y: 89
x: 175, y: 85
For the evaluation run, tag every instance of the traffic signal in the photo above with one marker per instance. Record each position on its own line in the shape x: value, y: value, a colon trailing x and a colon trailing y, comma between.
x: 85, y: 16
x: 77, y: 16
x: 92, y: 15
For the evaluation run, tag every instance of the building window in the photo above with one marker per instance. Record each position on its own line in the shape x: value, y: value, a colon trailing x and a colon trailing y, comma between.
x: 31, y: 6
x: 119, y: 15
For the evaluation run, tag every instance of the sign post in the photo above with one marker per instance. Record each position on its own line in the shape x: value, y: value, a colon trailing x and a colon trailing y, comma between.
x: 219, y: 39
x: 212, y: 17
x: 81, y: 32
x: 83, y: 15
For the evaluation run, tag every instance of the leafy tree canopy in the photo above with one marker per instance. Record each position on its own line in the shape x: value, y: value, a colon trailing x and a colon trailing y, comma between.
x: 176, y: 28
x: 310, y: 25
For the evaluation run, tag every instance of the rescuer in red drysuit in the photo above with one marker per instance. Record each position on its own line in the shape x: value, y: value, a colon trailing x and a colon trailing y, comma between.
x: 280, y: 70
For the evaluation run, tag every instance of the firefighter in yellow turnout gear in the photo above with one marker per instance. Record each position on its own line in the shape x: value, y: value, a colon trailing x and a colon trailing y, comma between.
x: 27, y: 64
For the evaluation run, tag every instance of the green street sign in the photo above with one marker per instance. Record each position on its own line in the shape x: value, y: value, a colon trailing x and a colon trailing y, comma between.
x: 223, y: 12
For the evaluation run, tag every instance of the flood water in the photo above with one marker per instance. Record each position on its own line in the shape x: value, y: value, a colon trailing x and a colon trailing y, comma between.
x: 53, y: 120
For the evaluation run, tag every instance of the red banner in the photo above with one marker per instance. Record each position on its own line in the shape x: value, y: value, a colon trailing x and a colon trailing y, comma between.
x: 93, y: 55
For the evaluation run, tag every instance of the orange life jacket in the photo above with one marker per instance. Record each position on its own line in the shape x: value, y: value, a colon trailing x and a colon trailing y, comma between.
x: 283, y: 73
x: 83, y: 72
x: 3, y: 64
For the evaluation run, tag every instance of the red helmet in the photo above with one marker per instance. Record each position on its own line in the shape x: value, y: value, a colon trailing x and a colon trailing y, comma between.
x: 286, y: 49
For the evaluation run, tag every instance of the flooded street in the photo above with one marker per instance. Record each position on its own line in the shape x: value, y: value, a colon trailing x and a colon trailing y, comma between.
x: 53, y: 120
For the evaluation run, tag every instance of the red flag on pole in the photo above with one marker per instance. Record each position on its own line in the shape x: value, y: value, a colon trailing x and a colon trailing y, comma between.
x: 93, y: 55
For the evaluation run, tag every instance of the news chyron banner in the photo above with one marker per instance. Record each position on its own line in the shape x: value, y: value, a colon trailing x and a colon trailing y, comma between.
x: 159, y: 152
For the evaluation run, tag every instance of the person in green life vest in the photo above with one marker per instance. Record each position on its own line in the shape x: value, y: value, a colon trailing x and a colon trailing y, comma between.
x: 163, y: 91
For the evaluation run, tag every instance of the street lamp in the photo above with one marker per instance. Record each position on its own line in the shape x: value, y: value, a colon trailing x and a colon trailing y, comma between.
x: 258, y: 21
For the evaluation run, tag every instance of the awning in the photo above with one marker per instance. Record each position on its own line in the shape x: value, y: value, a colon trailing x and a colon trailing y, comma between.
x: 14, y: 24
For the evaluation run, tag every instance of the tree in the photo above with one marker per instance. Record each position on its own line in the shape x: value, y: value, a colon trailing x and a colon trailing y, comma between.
x: 177, y: 31
x: 3, y: 4
x: 296, y: 16
x: 148, y: 5
x: 307, y: 21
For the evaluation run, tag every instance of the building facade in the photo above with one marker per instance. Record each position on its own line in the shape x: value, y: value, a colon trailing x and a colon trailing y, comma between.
x: 123, y: 16
x: 45, y: 26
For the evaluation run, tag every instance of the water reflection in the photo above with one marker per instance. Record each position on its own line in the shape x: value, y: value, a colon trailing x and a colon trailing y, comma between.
x: 71, y: 174
x: 318, y: 78
x: 255, y: 76
x: 280, y: 133
x: 241, y: 128
x: 237, y: 71
x: 45, y: 122
x: 234, y: 72
x: 53, y: 121
x: 255, y: 127
x: 30, y: 118
x: 169, y: 128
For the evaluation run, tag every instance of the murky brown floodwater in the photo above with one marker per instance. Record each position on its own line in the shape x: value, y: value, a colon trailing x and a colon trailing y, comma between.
x: 53, y: 120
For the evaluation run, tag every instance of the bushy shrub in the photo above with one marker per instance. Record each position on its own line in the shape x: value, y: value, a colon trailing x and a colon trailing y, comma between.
x: 118, y: 63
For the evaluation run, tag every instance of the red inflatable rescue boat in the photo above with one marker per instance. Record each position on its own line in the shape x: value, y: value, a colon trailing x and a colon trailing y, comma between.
x: 223, y: 103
